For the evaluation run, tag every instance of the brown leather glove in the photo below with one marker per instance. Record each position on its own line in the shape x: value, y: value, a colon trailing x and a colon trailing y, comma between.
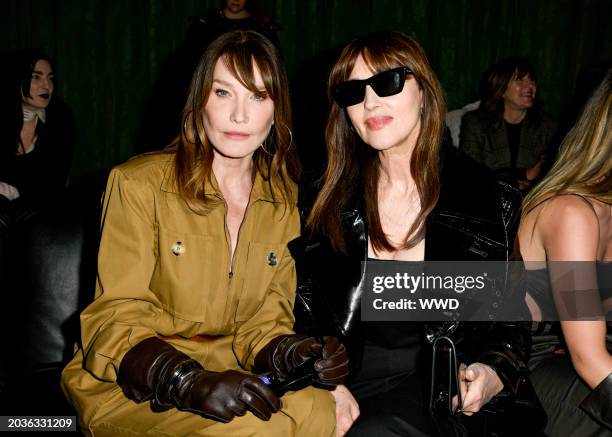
x: 286, y: 353
x: 155, y: 370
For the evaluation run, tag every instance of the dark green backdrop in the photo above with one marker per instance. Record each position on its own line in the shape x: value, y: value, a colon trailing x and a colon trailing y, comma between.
x: 109, y: 53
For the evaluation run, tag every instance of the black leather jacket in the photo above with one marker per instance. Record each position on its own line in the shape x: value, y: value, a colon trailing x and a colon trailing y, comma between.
x: 475, y: 218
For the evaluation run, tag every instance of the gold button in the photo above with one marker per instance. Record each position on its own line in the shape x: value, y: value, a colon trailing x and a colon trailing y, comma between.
x: 178, y: 248
x: 272, y: 261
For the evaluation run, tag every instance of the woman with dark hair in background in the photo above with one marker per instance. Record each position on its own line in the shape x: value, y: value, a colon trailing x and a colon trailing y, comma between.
x: 195, y: 284
x: 37, y: 136
x: 508, y: 133
x: 568, y: 217
x: 390, y: 192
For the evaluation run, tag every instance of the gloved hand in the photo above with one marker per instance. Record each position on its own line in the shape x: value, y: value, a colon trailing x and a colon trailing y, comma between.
x: 286, y: 353
x: 155, y: 370
x: 223, y: 395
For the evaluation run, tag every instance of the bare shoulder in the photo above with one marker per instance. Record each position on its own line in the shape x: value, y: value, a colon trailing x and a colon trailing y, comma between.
x: 568, y: 212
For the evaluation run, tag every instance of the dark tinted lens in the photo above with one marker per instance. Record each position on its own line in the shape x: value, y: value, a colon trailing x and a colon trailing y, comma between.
x: 385, y: 84
x: 349, y: 93
x: 389, y: 83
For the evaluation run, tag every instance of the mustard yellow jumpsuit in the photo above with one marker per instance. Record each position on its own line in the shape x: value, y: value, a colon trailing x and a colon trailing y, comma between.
x: 164, y: 270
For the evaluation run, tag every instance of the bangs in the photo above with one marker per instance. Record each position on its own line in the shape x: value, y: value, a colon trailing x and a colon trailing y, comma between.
x: 241, y: 60
x: 380, y: 52
x: 379, y: 60
x: 517, y: 68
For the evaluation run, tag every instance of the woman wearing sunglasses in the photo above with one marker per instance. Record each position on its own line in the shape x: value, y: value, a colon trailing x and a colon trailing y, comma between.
x: 390, y: 193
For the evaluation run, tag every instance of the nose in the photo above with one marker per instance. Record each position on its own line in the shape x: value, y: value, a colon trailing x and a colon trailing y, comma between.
x: 47, y: 83
x: 239, y: 112
x: 371, y: 98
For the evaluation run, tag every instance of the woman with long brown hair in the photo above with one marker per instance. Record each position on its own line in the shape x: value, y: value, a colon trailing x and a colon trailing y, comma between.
x: 567, y: 218
x: 195, y: 284
x: 390, y: 192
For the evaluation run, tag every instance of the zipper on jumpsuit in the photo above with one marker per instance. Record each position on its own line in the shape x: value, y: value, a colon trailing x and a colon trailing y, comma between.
x: 228, y: 238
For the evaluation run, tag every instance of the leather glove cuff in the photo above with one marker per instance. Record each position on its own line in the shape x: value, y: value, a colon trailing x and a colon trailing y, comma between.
x: 278, y: 355
x: 510, y: 368
x: 155, y: 370
x: 598, y: 404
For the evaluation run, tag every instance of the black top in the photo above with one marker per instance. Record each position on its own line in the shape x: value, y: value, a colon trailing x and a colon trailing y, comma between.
x: 514, y: 139
x: 40, y: 174
x: 391, y: 334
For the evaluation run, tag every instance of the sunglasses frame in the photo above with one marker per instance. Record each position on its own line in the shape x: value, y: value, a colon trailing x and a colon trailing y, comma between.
x: 337, y: 89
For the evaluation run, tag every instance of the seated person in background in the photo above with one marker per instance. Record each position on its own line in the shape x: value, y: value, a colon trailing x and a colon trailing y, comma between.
x: 231, y: 15
x: 37, y: 136
x: 568, y: 217
x: 508, y: 133
x: 195, y: 284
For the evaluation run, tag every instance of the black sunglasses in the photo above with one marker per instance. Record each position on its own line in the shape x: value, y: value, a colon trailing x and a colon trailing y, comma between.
x: 387, y: 83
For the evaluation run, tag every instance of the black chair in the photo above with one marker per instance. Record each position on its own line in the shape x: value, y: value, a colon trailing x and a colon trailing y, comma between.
x: 52, y: 277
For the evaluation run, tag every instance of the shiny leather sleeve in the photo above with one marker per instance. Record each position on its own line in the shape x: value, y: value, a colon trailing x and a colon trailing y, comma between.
x: 327, y: 302
x: 505, y: 347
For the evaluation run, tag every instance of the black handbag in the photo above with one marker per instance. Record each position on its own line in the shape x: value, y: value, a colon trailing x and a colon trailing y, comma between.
x: 504, y: 415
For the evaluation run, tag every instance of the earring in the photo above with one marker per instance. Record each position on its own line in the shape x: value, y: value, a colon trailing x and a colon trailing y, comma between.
x: 264, y: 149
x: 290, y: 136
x: 422, y: 109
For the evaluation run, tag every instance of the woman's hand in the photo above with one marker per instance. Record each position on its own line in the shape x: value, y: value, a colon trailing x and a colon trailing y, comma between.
x: 478, y: 383
x: 347, y: 410
x: 534, y: 171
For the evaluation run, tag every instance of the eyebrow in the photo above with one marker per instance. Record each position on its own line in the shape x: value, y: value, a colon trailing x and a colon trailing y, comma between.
x: 222, y: 82
x: 41, y: 73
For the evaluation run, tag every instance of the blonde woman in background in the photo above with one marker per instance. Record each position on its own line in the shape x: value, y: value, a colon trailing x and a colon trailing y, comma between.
x: 568, y: 217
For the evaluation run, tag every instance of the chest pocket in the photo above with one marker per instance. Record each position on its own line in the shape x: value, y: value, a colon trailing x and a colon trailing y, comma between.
x: 183, y: 276
x: 262, y: 264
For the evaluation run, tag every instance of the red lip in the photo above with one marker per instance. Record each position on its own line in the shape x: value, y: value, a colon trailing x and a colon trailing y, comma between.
x: 378, y: 122
x: 236, y: 135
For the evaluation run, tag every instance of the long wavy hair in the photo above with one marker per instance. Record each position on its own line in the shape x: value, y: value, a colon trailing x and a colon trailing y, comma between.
x: 16, y: 76
x: 584, y: 163
x: 354, y: 165
x: 241, y: 51
x: 496, y: 82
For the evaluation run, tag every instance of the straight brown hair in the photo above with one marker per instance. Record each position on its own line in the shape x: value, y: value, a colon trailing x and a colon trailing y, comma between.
x: 352, y: 164
x: 278, y: 164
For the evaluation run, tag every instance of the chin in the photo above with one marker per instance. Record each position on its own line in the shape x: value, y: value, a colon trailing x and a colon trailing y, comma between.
x: 235, y: 154
x: 380, y: 146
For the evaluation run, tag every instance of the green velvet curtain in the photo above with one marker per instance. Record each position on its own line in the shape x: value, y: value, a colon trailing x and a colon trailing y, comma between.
x: 109, y: 53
